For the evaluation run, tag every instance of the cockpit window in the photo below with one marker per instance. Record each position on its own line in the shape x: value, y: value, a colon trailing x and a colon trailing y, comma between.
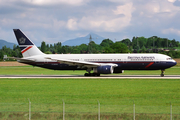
x: 169, y: 58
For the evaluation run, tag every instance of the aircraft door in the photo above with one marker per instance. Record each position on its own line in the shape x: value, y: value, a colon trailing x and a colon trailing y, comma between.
x: 45, y: 61
x: 124, y: 61
x: 157, y: 61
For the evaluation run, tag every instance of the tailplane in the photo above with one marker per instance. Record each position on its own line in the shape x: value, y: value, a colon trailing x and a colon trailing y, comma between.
x: 26, y: 45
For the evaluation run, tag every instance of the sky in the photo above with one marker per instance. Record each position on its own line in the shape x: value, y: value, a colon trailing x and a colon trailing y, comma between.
x: 55, y: 21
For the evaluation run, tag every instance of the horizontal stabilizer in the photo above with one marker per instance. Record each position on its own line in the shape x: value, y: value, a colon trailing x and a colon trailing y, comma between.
x: 22, y: 60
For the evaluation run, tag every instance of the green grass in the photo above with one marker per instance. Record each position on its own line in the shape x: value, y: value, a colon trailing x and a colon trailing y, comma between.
x: 81, y: 97
x: 152, y: 97
x: 29, y: 70
x: 88, y: 91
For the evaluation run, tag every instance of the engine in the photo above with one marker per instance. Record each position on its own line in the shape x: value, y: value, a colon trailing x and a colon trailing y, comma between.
x: 104, y: 69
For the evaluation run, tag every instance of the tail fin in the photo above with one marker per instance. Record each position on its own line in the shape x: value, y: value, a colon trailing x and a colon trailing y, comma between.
x: 27, y: 46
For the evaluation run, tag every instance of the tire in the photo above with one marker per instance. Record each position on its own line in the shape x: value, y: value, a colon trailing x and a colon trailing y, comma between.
x: 162, y: 75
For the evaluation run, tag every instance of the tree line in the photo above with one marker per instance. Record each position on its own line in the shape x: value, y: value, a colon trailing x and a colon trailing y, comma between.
x: 153, y: 44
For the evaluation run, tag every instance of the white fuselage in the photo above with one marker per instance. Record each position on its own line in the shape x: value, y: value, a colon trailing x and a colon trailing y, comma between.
x: 124, y: 61
x: 105, y: 57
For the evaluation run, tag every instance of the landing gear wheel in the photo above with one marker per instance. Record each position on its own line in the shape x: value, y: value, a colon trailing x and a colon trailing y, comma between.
x: 86, y: 74
x: 97, y: 74
x: 162, y: 73
x: 91, y: 74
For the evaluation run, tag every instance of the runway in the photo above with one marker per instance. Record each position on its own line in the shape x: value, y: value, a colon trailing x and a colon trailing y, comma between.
x: 93, y: 77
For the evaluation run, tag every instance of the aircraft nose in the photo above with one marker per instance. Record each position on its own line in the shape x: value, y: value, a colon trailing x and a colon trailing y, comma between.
x: 174, y: 63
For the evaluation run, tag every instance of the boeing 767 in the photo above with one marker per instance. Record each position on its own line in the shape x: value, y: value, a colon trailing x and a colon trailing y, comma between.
x: 98, y: 63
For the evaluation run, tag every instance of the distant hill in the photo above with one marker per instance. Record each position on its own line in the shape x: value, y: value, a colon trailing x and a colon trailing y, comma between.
x: 7, y: 44
x: 84, y: 40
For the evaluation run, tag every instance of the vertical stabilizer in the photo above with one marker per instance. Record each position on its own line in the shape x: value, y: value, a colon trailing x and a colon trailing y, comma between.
x: 26, y: 45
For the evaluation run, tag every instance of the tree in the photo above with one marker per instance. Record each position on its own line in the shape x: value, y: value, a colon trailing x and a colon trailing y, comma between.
x: 47, y: 47
x: 164, y: 42
x: 158, y: 43
x: 59, y: 48
x: 43, y: 46
x: 1, y: 54
x: 48, y: 52
x: 108, y: 50
x: 92, y: 47
x: 143, y: 50
x: 7, y: 51
x: 149, y: 42
x: 135, y: 43
x: 119, y: 47
x: 83, y: 48
x: 141, y: 41
x: 106, y: 43
x: 174, y: 43
x: 126, y: 42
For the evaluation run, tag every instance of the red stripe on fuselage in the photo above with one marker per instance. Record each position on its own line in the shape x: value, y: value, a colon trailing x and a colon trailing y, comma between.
x: 26, y: 49
x: 149, y: 64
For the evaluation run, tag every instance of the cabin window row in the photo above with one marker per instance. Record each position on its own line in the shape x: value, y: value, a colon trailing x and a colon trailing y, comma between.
x: 98, y: 60
x: 75, y: 59
x: 141, y: 59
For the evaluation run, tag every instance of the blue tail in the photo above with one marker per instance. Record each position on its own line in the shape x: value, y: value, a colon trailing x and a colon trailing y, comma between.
x: 26, y: 45
x: 21, y: 38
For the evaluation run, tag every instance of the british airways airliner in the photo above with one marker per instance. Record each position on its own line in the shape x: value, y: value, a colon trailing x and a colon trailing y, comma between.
x: 98, y: 63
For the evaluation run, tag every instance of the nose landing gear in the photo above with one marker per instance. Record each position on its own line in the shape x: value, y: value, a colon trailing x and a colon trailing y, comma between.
x: 162, y: 73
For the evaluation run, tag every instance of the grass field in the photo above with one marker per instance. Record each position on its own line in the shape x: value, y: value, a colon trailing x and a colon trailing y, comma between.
x: 88, y: 91
x: 152, y: 97
x: 81, y: 95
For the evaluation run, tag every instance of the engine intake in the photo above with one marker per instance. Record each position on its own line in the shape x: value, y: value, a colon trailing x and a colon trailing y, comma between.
x: 104, y: 69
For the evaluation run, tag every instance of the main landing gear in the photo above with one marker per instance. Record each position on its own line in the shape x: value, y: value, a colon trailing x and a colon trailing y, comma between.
x: 162, y: 73
x: 91, y: 74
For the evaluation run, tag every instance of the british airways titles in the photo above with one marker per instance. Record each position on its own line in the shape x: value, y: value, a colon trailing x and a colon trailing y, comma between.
x: 141, y: 58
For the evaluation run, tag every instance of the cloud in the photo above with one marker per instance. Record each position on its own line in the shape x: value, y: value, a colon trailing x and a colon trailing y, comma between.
x: 172, y: 1
x: 154, y: 16
x: 110, y: 20
x: 171, y: 31
x: 158, y: 7
x: 55, y: 2
x: 125, y: 9
x: 72, y: 24
x: 120, y: 1
x: 65, y: 19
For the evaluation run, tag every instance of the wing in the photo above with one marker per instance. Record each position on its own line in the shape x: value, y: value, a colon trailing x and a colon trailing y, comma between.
x: 81, y: 63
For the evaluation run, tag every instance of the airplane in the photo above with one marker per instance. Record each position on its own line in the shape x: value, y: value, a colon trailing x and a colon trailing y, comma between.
x: 98, y: 63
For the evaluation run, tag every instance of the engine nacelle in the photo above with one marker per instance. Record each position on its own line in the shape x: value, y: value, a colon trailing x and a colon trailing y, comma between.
x: 104, y: 69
